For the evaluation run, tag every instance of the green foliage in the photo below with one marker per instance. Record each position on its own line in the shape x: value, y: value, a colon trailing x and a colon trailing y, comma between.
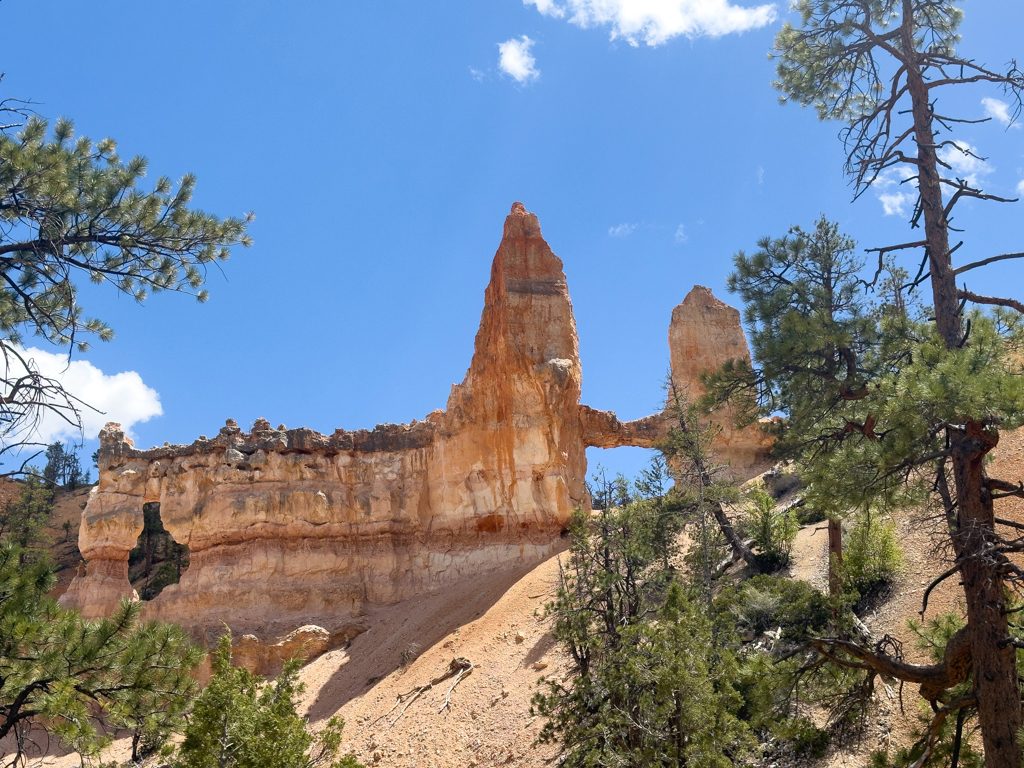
x: 866, y: 387
x: 808, y: 740
x: 165, y: 575
x: 849, y: 60
x: 872, y: 557
x: 70, y: 210
x: 107, y: 229
x: 156, y: 559
x: 655, y: 681
x: 807, y: 515
x: 688, y: 450
x: 23, y: 520
x: 924, y: 389
x: 61, y: 673
x: 773, y: 531
x: 769, y: 602
x: 701, y: 486
x: 708, y: 550
x: 62, y: 467
x: 240, y: 721
x: 815, y: 67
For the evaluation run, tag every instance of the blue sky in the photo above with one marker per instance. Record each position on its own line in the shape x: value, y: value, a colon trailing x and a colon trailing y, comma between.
x: 381, y: 145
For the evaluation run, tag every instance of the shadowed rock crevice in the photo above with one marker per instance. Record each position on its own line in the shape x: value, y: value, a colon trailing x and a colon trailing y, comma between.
x: 157, y: 561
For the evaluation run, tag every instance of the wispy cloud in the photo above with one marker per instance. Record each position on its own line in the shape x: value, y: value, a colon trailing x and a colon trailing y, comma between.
x: 655, y: 22
x: 514, y: 59
x: 121, y: 397
x: 760, y: 174
x: 999, y: 111
x: 547, y: 7
x: 965, y: 162
x: 895, y: 192
x: 681, y: 236
x: 1020, y: 187
x: 477, y: 74
x: 623, y: 230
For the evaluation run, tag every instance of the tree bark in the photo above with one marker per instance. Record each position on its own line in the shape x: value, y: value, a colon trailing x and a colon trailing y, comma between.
x: 835, y: 559
x: 994, y: 662
x: 739, y: 548
x: 994, y: 659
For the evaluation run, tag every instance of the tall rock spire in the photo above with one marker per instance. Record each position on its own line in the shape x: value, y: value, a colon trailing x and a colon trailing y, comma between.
x: 520, y: 398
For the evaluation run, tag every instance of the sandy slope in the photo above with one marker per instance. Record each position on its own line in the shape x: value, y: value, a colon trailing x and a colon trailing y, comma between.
x: 483, y: 620
x: 495, y: 622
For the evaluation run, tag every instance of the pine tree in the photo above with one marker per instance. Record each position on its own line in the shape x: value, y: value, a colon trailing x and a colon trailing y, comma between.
x: 653, y: 685
x: 241, y: 721
x: 74, y: 210
x: 688, y: 451
x: 871, y: 397
x: 62, y: 466
x: 61, y: 673
x: 23, y: 519
x: 882, y: 67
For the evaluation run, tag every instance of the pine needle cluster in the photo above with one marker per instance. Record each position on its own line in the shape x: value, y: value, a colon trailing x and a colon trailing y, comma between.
x: 67, y: 677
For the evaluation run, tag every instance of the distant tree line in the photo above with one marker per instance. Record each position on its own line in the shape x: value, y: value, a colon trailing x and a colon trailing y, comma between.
x: 63, y: 467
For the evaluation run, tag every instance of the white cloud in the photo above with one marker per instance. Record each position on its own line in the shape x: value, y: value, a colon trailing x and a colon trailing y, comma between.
x: 681, y: 236
x: 964, y: 166
x: 1020, y: 187
x: 477, y: 74
x: 514, y: 59
x: 895, y: 203
x: 623, y: 230
x: 999, y: 111
x: 657, y: 21
x: 895, y: 192
x: 122, y: 397
x: 547, y: 7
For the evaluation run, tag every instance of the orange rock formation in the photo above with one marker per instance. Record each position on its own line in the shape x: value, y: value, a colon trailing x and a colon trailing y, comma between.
x: 704, y: 333
x: 291, y: 527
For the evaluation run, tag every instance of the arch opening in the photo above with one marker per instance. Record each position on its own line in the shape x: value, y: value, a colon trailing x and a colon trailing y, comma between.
x: 157, y: 561
x: 604, y: 465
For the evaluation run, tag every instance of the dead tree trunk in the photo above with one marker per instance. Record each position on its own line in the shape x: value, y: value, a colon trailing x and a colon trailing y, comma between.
x: 835, y: 560
x: 739, y: 549
x: 994, y: 659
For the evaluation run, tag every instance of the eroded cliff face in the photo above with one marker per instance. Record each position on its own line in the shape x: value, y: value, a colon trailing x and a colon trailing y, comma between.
x: 289, y: 527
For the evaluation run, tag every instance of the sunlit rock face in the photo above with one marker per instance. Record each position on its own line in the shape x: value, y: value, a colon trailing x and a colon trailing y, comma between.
x: 290, y: 527
x: 704, y: 334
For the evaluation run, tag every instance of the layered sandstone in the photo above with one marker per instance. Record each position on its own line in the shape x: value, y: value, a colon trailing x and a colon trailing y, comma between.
x: 290, y: 527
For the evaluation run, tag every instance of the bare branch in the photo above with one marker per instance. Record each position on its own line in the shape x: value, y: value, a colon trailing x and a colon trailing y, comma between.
x: 935, y: 582
x: 983, y: 262
x: 991, y: 300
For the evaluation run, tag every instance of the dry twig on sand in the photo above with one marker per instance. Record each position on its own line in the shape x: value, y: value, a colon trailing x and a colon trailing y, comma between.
x: 459, y: 668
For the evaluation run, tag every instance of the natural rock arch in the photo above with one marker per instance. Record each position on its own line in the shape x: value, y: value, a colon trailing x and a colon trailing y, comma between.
x: 292, y: 527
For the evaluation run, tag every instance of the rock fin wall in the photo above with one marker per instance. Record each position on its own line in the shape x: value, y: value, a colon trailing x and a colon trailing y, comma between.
x: 290, y: 527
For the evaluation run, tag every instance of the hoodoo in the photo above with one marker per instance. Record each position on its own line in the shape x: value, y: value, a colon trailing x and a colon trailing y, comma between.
x: 703, y: 334
x: 290, y: 527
